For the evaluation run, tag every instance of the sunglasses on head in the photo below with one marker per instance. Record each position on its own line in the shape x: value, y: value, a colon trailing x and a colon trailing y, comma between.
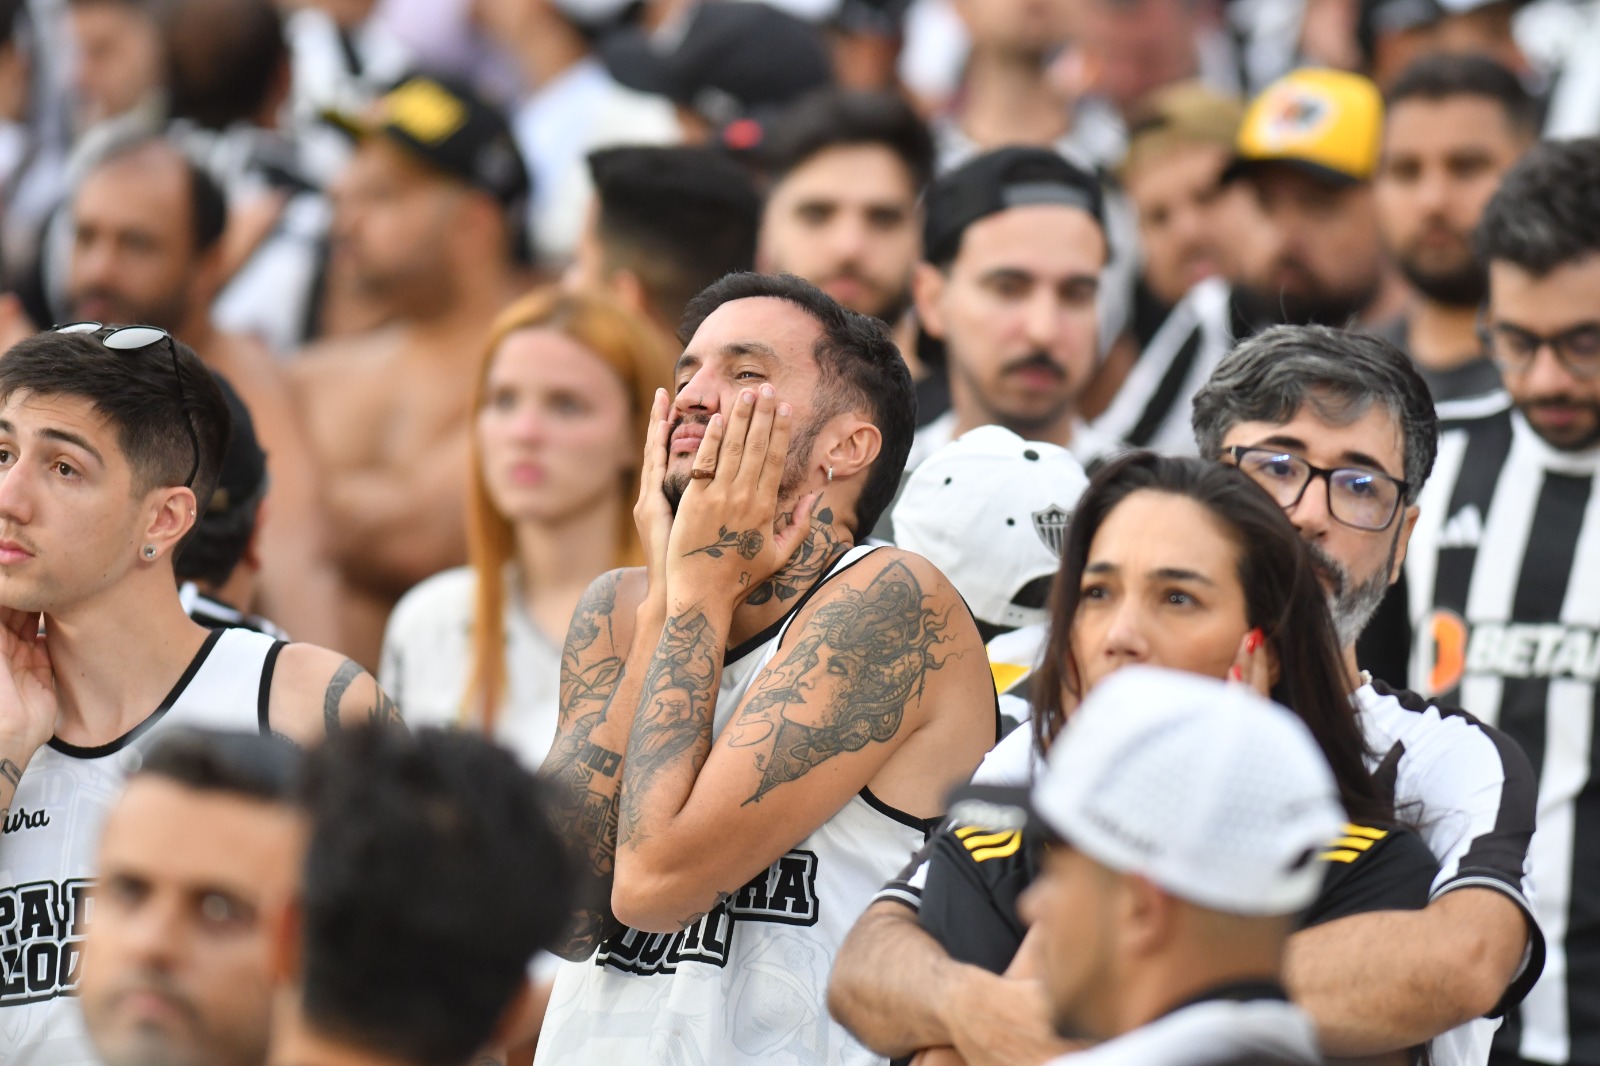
x: 136, y: 339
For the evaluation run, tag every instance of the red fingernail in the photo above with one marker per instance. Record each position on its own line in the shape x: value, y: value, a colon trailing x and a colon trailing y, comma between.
x: 1253, y: 642
x: 1235, y: 674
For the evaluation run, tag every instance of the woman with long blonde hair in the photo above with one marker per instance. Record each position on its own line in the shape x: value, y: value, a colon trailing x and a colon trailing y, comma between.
x: 559, y: 416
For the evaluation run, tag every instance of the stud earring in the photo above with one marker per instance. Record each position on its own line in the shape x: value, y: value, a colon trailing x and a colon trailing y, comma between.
x: 149, y: 551
x: 830, y: 475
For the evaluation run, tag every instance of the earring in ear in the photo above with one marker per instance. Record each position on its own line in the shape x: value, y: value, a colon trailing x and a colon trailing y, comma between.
x: 149, y: 551
x: 830, y: 475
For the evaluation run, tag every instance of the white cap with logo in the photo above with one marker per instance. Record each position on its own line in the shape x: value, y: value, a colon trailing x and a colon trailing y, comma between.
x: 991, y: 510
x: 1217, y: 795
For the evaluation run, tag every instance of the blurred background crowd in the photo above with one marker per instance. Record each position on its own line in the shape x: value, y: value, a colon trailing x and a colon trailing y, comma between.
x: 439, y: 249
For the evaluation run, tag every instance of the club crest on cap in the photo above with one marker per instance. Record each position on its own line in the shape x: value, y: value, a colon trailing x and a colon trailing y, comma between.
x: 1296, y: 116
x: 425, y: 109
x: 1051, y: 525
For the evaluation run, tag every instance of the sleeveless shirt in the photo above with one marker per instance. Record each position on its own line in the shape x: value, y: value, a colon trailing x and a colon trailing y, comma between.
x: 747, y: 984
x: 52, y: 836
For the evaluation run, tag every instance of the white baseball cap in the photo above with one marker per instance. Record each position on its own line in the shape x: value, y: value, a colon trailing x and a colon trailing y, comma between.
x: 1217, y: 795
x: 991, y: 510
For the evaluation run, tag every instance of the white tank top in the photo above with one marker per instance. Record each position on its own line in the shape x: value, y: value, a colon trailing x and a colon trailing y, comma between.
x: 51, y: 837
x: 747, y: 984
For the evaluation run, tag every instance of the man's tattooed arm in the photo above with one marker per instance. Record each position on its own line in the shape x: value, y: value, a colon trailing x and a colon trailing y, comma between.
x: 333, y: 695
x: 585, y: 763
x: 350, y: 684
x: 672, y: 729
x: 863, y: 656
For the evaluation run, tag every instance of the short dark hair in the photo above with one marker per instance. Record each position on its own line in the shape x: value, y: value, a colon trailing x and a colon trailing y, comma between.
x: 834, y: 118
x: 1282, y: 598
x: 1547, y: 210
x: 860, y: 367
x: 208, y: 205
x: 1442, y: 75
x: 227, y: 524
x: 1340, y: 373
x: 240, y: 764
x: 677, y: 217
x: 224, y: 58
x: 138, y: 394
x: 432, y: 877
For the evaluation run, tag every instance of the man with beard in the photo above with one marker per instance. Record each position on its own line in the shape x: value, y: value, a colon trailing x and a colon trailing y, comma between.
x: 1505, y: 565
x: 842, y: 210
x: 1308, y: 147
x: 201, y: 846
x: 760, y: 723
x: 1339, y: 428
x: 1455, y: 125
x: 1013, y: 246
x: 147, y: 227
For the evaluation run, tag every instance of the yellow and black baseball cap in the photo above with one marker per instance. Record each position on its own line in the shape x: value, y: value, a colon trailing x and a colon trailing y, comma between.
x: 449, y: 126
x: 1328, y: 123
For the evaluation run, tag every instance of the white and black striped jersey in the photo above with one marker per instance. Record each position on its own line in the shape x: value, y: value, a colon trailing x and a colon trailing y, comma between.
x: 1151, y: 409
x: 1504, y: 576
x: 52, y: 834
x: 1470, y: 791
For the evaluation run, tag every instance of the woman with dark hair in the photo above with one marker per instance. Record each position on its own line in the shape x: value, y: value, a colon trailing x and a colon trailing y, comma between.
x: 1186, y: 564
x: 1267, y: 621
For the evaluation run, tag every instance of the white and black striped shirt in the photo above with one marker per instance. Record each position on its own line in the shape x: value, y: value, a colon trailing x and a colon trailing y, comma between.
x: 1517, y: 642
x: 1152, y: 408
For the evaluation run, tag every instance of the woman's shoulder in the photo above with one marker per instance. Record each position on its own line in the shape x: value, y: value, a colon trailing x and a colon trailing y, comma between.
x: 445, y: 599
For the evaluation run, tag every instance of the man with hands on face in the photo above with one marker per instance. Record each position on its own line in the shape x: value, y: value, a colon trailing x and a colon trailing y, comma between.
x: 758, y: 725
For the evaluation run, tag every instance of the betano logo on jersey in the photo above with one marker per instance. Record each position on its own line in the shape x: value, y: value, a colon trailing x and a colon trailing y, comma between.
x: 785, y: 893
x: 1541, y: 650
x: 42, y: 925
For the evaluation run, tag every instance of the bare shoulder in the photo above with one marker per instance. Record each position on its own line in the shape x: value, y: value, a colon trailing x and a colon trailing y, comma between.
x: 341, y: 358
x: 898, y: 607
x: 316, y: 691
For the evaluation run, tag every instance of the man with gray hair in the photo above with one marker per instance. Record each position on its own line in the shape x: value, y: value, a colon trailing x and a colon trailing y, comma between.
x: 1340, y: 429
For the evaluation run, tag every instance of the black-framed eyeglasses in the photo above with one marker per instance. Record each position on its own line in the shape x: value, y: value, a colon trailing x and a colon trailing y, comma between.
x: 1357, y: 497
x: 136, y: 339
x: 1514, y: 349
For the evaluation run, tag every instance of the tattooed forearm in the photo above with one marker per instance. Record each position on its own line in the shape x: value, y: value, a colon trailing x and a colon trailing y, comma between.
x: 589, y: 675
x: 877, y: 644
x: 810, y: 562
x: 333, y: 695
x: 747, y: 544
x: 10, y: 772
x: 584, y: 803
x: 674, y: 717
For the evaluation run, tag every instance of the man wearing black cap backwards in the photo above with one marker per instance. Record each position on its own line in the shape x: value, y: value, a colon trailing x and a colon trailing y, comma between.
x: 1013, y: 247
x: 425, y: 227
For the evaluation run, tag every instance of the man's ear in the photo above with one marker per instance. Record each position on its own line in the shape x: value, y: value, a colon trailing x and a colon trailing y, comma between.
x: 172, y: 514
x: 927, y: 290
x: 285, y: 931
x: 629, y: 290
x: 855, y: 451
x: 1408, y: 522
x: 1148, y: 915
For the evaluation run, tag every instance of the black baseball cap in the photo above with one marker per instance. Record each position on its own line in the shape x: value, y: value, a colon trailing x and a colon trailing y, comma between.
x: 452, y: 128
x: 999, y: 180
x: 728, y: 61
